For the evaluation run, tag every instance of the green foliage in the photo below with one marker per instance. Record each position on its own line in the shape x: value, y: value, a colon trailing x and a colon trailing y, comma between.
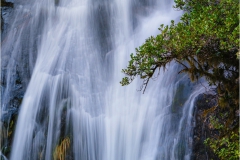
x: 206, y: 43
x: 207, y: 32
x: 224, y: 140
x: 215, y: 123
x: 226, y: 147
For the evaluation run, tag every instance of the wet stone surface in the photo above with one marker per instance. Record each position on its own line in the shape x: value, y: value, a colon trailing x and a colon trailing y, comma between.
x: 13, y: 82
x: 6, y: 9
x: 202, y: 131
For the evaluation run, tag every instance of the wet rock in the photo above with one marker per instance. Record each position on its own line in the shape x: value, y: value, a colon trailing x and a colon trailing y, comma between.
x: 15, y: 75
x: 11, y: 102
x: 8, y: 124
x: 6, y: 4
x: 13, y: 85
x: 6, y: 9
x: 202, y: 129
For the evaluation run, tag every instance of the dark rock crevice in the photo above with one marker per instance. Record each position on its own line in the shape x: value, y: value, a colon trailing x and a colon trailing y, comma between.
x: 6, y: 4
x: 203, y: 129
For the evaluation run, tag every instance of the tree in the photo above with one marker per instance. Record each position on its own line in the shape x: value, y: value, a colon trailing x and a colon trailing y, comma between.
x: 206, y: 43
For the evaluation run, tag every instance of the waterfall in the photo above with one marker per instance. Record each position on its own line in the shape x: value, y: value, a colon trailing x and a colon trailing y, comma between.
x: 74, y: 107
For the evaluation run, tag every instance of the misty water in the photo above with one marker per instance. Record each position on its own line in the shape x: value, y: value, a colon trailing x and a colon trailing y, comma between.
x: 75, y: 51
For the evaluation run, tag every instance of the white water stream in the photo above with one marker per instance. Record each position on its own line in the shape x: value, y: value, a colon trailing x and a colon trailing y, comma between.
x: 80, y: 47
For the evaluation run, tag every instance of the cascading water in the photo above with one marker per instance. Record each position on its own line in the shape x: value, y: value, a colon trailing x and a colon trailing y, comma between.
x: 74, y: 106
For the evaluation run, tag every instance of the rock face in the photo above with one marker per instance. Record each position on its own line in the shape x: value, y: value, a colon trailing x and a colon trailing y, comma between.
x: 6, y: 127
x: 6, y: 9
x: 14, y: 81
x: 203, y: 129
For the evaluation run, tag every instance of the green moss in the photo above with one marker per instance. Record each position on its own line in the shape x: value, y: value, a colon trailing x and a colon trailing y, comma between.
x: 225, y: 147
